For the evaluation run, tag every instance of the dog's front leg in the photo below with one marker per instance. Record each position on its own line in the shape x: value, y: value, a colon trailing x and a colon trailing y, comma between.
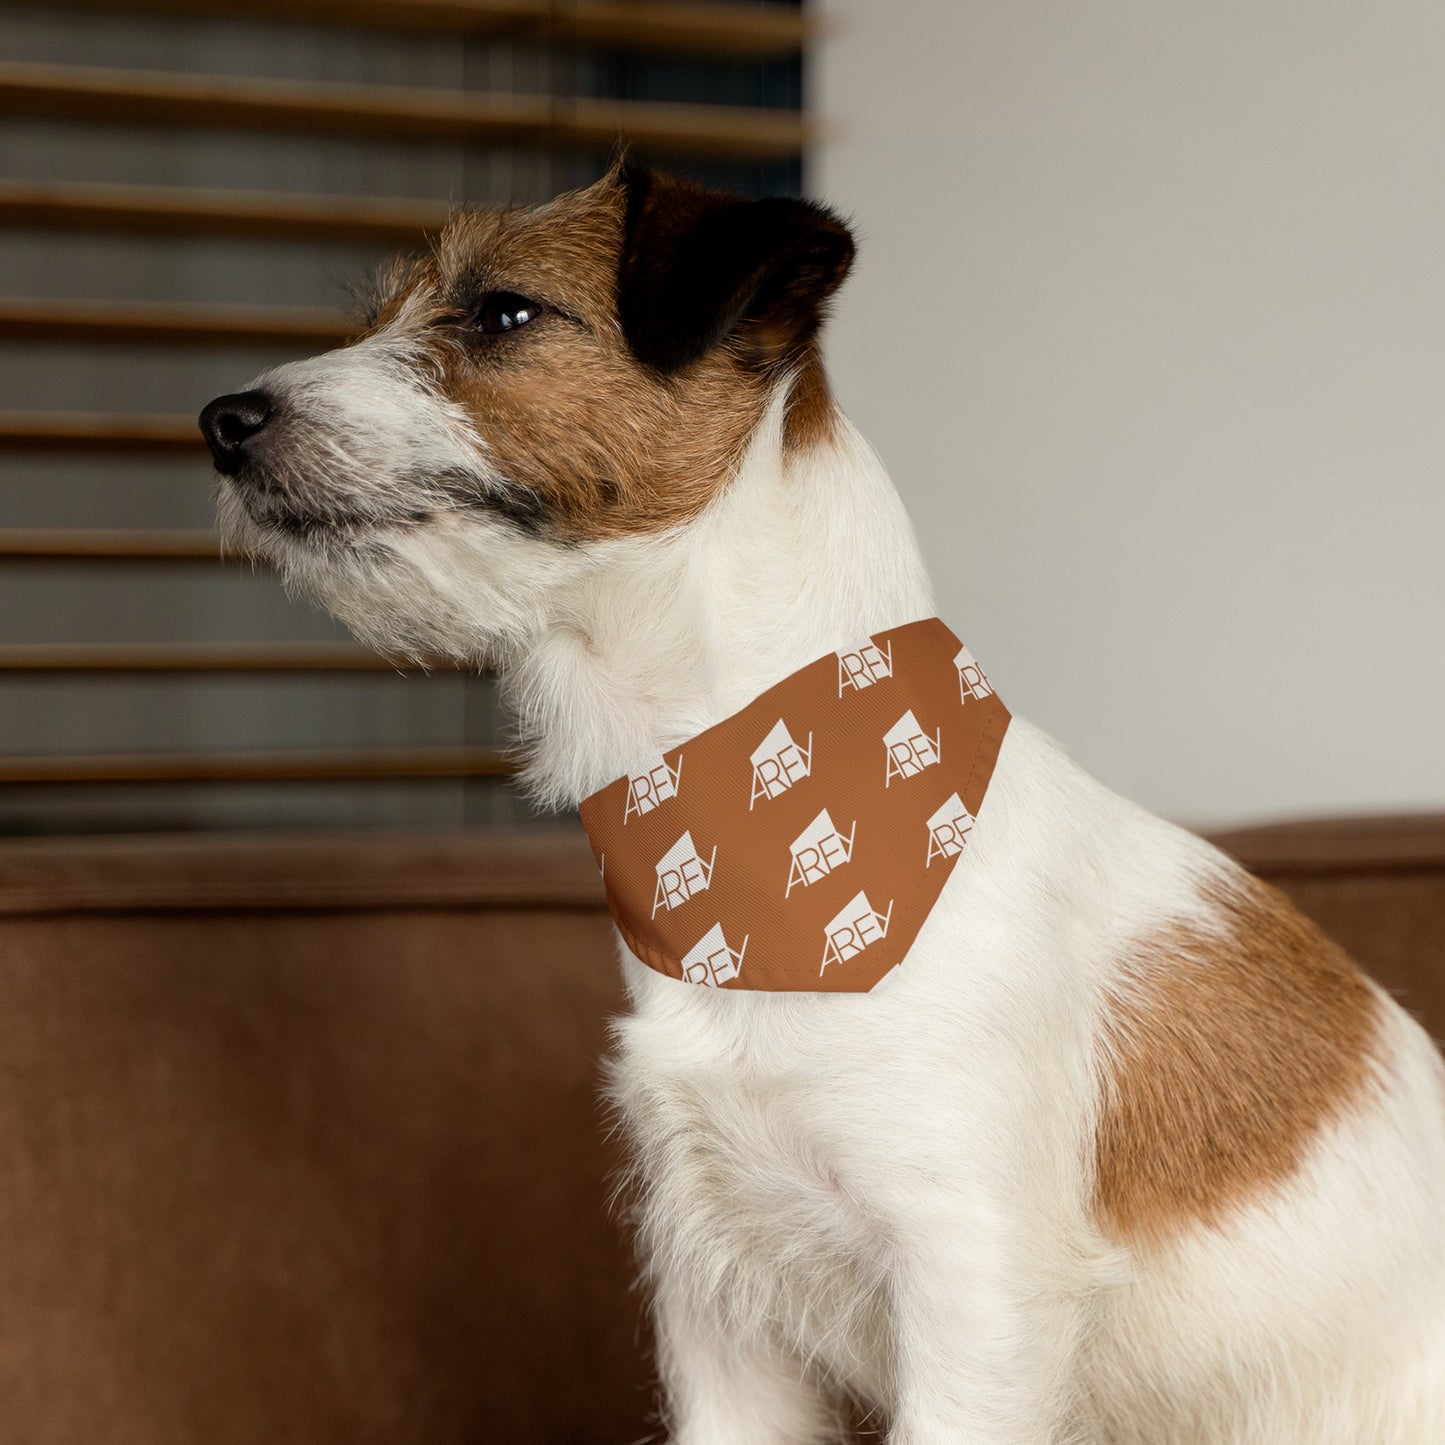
x: 984, y: 1345
x: 726, y: 1386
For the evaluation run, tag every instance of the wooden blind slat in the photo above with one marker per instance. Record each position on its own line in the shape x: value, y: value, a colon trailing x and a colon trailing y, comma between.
x: 258, y: 767
x: 190, y: 657
x: 715, y: 29
x: 82, y: 431
x: 158, y: 323
x: 168, y: 210
x: 758, y: 32
x: 82, y: 545
x: 156, y: 98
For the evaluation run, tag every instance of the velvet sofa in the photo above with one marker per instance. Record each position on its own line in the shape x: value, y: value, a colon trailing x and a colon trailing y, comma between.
x: 300, y: 1139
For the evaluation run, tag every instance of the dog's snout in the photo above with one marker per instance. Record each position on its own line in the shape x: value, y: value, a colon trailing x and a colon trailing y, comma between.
x: 229, y: 422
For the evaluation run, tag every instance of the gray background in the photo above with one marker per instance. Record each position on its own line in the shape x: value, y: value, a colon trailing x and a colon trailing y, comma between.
x: 1149, y: 325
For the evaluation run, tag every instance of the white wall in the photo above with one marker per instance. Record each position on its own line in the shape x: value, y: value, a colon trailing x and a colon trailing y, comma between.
x: 1149, y: 324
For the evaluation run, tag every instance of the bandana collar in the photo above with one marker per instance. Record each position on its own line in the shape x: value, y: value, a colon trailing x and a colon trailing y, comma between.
x: 800, y: 844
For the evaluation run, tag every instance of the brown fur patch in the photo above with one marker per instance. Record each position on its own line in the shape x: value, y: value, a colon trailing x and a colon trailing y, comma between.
x: 812, y: 415
x: 605, y: 445
x: 1226, y: 1054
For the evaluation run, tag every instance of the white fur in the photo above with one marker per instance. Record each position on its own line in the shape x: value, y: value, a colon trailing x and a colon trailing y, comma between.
x: 890, y: 1194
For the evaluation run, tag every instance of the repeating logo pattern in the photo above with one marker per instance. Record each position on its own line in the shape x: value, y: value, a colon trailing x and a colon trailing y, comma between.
x: 817, y: 826
x: 856, y: 925
x: 817, y: 851
x: 860, y: 667
x: 711, y: 962
x: 778, y: 763
x: 948, y: 829
x: 972, y: 680
x: 681, y: 874
x: 652, y: 788
x: 910, y: 748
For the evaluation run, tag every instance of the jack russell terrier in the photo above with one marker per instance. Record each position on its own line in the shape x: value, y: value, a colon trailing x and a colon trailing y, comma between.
x: 1113, y: 1147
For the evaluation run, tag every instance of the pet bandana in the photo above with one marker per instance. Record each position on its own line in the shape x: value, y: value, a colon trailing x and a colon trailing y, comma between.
x: 800, y: 844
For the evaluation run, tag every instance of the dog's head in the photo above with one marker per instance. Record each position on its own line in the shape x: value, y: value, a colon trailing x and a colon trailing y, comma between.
x: 545, y: 382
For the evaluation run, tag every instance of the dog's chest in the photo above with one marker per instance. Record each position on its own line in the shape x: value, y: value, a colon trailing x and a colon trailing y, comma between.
x: 743, y: 1184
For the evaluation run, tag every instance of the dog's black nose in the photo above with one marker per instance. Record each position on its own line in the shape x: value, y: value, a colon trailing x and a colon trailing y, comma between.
x: 229, y: 422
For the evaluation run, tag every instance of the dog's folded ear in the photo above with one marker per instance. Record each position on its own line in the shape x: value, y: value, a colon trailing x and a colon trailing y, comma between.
x: 700, y: 266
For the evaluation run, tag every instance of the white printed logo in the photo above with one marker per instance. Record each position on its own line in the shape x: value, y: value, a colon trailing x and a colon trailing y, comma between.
x: 972, y: 681
x: 861, y: 667
x: 910, y: 749
x: 947, y: 830
x: 817, y: 851
x: 857, y: 926
x: 778, y: 763
x: 681, y: 874
x: 650, y: 789
x: 710, y: 961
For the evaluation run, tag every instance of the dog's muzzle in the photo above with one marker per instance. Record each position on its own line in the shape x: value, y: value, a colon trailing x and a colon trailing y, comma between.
x: 230, y: 422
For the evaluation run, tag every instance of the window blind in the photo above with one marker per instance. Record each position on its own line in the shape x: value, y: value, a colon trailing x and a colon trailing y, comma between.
x: 186, y: 189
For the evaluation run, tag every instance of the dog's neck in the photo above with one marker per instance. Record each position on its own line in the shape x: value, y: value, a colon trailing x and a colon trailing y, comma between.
x: 803, y: 553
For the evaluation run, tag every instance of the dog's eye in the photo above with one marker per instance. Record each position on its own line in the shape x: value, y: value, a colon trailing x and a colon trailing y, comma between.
x: 504, y: 311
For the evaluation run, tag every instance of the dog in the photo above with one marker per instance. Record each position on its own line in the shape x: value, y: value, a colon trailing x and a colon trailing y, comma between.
x: 1127, y: 1153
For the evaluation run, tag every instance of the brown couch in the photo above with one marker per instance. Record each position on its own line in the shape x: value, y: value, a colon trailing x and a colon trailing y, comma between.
x: 299, y: 1139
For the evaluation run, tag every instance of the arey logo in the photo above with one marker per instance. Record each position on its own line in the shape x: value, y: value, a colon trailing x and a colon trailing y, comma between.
x: 909, y: 749
x: 681, y: 874
x: 778, y: 763
x: 817, y: 851
x: 861, y: 667
x: 972, y: 681
x: 856, y: 926
x: 947, y: 829
x: 651, y: 788
x: 710, y: 961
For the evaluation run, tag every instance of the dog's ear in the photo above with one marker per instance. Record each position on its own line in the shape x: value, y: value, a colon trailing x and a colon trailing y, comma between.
x: 699, y: 266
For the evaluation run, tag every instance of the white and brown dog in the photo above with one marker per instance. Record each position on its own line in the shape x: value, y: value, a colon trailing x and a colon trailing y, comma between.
x: 1129, y: 1153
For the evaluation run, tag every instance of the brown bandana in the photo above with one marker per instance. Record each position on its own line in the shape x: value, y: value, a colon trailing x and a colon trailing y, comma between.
x: 801, y: 843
